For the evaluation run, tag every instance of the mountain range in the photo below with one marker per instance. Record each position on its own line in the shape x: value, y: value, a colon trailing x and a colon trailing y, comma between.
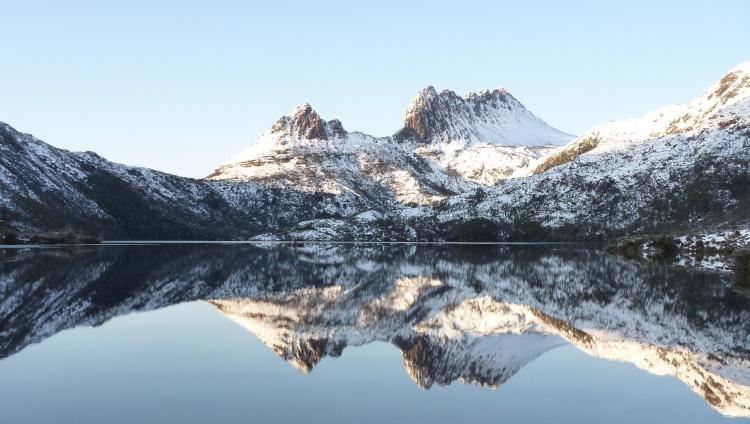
x: 478, y: 167
x: 448, y: 145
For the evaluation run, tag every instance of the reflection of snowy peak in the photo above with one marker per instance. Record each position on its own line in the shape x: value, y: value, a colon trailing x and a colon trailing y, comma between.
x: 435, y: 349
x: 487, y: 361
x: 447, y: 146
x: 478, y: 340
x: 466, y: 313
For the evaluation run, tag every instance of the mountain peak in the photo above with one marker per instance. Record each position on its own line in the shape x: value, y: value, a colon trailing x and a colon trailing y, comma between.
x: 722, y: 104
x: 743, y: 67
x: 733, y: 88
x: 717, y: 101
x: 486, y: 94
x: 428, y: 91
x: 303, y: 109
x: 490, y: 116
x: 302, y: 122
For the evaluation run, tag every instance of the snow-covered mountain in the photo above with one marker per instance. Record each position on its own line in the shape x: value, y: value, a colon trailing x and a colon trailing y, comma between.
x: 462, y: 313
x: 448, y: 174
x: 43, y: 188
x: 304, y: 152
x: 492, y: 117
x: 722, y: 105
x: 683, y: 167
x: 448, y: 145
x: 485, y: 137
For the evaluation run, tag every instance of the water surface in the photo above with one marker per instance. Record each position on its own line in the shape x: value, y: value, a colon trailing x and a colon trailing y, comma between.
x: 345, y: 333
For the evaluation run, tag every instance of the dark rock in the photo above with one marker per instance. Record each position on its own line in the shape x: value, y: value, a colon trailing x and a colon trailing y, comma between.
x: 336, y: 128
x: 741, y: 259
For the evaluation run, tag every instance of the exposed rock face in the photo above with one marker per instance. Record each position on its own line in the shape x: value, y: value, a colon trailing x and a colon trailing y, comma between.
x: 426, y: 115
x: 492, y: 116
x: 307, y: 123
x: 336, y: 128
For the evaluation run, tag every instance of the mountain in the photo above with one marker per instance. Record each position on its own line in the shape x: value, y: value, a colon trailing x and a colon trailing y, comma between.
x: 43, y: 189
x: 304, y: 152
x: 472, y: 314
x: 683, y: 167
x: 491, y: 117
x: 436, y: 353
x: 485, y: 137
x: 448, y: 145
x: 303, y: 168
x: 459, y: 169
x: 722, y: 105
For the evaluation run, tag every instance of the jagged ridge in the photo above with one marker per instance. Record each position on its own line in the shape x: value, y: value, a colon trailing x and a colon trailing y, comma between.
x: 448, y: 145
x: 626, y: 177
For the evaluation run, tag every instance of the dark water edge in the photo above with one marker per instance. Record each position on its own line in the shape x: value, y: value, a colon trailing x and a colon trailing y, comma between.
x: 463, y: 313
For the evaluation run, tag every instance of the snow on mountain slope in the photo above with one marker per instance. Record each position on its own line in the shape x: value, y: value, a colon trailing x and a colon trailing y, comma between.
x: 678, y: 168
x: 448, y: 145
x: 485, y: 137
x: 304, y: 152
x: 717, y: 107
x: 43, y: 188
x: 490, y: 117
x: 681, y: 168
x: 660, y: 181
x: 678, y: 164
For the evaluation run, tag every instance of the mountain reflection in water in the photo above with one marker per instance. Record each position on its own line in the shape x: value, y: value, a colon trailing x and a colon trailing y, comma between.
x: 474, y: 314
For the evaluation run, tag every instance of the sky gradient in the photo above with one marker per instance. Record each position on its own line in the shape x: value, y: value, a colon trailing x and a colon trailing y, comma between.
x: 183, y: 86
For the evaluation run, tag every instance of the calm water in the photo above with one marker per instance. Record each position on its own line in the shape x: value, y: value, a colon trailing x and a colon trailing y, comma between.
x: 351, y: 333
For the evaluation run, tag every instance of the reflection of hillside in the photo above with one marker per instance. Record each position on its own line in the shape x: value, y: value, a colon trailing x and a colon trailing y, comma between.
x: 479, y: 341
x: 466, y: 313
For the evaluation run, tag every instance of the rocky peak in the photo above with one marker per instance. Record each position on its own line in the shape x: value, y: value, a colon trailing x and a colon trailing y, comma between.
x: 336, y: 129
x: 303, y: 122
x: 432, y: 113
x: 731, y: 90
x: 306, y: 122
x: 485, y: 102
x: 491, y: 116
x: 733, y: 87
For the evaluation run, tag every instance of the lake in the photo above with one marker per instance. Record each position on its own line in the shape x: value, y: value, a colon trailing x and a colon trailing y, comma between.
x: 366, y: 333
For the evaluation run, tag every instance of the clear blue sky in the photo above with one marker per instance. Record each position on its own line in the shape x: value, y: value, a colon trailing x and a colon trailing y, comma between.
x: 181, y: 86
